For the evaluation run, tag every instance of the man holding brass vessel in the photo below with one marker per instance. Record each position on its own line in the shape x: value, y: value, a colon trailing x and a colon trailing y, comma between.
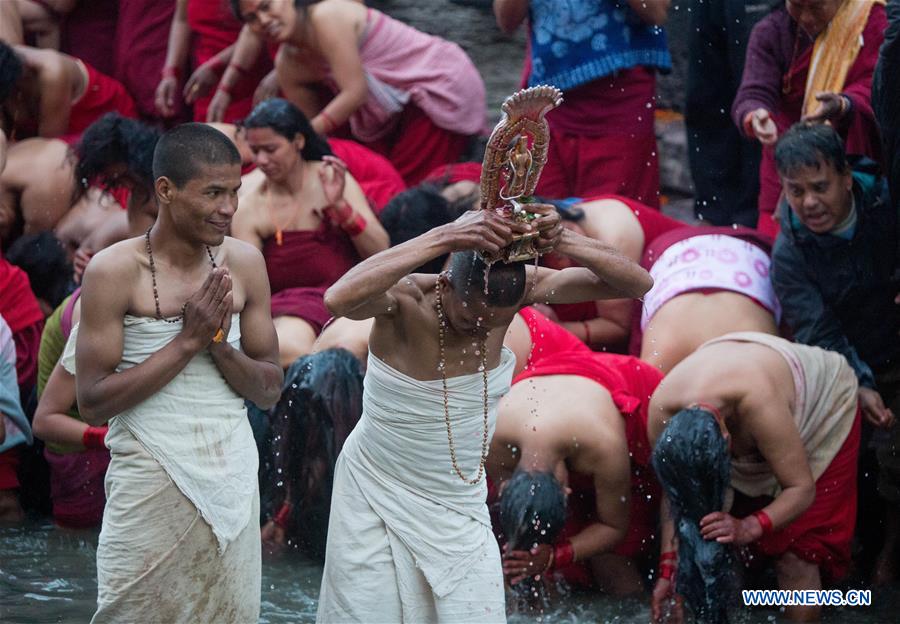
x: 408, y: 518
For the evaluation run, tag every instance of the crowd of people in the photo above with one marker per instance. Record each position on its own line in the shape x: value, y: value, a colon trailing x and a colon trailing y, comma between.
x: 244, y: 302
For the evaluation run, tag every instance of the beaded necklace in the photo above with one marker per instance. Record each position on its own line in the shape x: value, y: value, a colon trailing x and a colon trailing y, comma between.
x: 443, y: 368
x: 159, y: 315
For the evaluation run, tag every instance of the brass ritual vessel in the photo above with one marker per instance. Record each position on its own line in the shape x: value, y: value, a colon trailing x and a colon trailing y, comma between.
x: 515, y: 155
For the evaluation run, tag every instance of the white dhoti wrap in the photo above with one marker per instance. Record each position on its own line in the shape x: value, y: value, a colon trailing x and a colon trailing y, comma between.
x: 180, y: 538
x: 408, y: 540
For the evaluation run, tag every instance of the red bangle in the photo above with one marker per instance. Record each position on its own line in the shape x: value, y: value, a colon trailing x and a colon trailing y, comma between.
x: 224, y: 88
x: 764, y: 521
x: 354, y: 226
x: 283, y: 516
x: 563, y: 554
x: 667, y: 571
x: 94, y: 437
x: 587, y: 333
x: 170, y: 71
x: 669, y: 555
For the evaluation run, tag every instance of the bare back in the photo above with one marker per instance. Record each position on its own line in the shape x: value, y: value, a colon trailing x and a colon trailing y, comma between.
x: 687, y: 321
x: 38, y: 182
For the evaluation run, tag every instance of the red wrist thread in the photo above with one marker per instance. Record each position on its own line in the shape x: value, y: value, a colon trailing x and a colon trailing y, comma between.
x: 563, y: 554
x: 355, y: 226
x: 170, y: 71
x: 94, y: 437
x: 764, y: 521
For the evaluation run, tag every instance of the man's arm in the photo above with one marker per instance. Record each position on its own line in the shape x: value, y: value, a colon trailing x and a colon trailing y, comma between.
x: 102, y: 392
x: 761, y: 80
x: 365, y: 290
x: 254, y: 373
x: 809, y: 317
x: 605, y: 274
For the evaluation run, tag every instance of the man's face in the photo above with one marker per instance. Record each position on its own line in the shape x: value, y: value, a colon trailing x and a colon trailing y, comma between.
x: 203, y: 208
x: 272, y: 19
x: 469, y: 313
x: 813, y: 16
x: 819, y: 196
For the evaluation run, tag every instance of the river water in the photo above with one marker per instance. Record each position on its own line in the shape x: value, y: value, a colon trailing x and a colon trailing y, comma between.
x: 47, y: 575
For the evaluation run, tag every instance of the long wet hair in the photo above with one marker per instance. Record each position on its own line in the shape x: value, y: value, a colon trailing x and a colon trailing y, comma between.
x: 532, y: 512
x: 114, y: 140
x: 693, y: 464
x: 321, y: 402
x: 285, y: 119
x: 532, y: 509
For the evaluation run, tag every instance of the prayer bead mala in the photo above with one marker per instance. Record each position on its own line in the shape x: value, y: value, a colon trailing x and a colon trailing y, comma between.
x: 159, y: 315
x: 443, y: 368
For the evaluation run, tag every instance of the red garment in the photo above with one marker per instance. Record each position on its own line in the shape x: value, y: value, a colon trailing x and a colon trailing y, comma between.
x: 324, y: 254
x: 630, y: 383
x: 602, y: 140
x: 823, y: 533
x: 456, y: 172
x: 76, y: 487
x: 102, y: 95
x: 373, y: 172
x: 87, y: 33
x: 860, y: 136
x: 214, y: 27
x: 9, y: 468
x: 417, y: 145
x: 653, y: 249
x: 18, y: 305
x: 142, y: 40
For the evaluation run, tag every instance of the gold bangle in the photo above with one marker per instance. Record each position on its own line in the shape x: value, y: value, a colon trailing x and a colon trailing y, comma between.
x: 219, y: 337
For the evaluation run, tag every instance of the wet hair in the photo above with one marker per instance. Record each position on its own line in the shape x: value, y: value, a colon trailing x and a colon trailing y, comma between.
x: 532, y: 509
x: 321, y: 402
x: 10, y: 71
x: 182, y: 152
x: 692, y: 462
x: 285, y: 119
x: 506, y: 282
x: 417, y: 210
x: 114, y: 140
x: 810, y: 145
x: 44, y: 259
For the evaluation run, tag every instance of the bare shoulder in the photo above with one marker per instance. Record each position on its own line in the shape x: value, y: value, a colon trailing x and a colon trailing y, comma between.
x: 242, y: 257
x: 117, y: 268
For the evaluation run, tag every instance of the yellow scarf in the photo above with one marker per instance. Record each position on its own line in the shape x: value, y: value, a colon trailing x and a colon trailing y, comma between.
x: 835, y: 51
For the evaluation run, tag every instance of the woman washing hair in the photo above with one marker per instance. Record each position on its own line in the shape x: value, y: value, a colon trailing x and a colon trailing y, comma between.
x: 309, y: 218
x: 411, y: 96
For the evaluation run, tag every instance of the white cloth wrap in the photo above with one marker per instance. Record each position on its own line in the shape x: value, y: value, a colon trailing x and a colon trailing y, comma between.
x: 710, y: 261
x: 397, y: 459
x: 195, y: 427
x: 825, y: 402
